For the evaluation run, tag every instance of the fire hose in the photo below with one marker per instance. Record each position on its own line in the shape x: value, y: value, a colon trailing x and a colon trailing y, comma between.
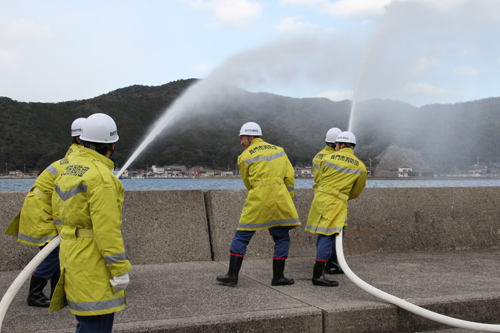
x: 26, y: 272
x: 404, y: 304
x: 24, y: 275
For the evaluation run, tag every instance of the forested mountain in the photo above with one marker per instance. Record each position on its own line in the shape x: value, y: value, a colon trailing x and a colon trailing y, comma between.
x: 449, y: 137
x: 445, y: 137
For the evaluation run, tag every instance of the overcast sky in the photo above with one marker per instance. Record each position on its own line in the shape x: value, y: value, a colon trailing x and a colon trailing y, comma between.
x: 416, y: 51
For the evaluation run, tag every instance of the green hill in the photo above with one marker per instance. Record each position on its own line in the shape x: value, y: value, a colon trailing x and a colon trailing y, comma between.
x: 448, y: 136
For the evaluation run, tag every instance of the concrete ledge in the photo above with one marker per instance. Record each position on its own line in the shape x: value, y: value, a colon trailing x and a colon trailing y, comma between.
x: 307, y: 319
x: 14, y: 255
x: 184, y: 297
x: 381, y: 220
x: 403, y: 235
x: 423, y: 219
x: 389, y: 318
x: 165, y: 226
x: 224, y: 208
x: 158, y: 227
x: 192, y: 225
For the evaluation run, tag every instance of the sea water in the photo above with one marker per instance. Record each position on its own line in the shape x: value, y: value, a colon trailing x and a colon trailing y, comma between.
x: 24, y: 185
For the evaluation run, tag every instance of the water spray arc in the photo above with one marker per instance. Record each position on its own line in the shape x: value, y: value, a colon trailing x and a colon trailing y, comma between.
x: 157, y: 129
x: 357, y: 87
x: 355, y: 96
x: 187, y: 102
x: 404, y: 304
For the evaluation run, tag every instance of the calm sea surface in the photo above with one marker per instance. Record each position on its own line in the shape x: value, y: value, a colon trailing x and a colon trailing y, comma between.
x: 24, y: 185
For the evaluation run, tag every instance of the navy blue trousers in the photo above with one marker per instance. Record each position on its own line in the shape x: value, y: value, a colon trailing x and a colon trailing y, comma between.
x: 326, y: 246
x: 95, y: 324
x: 280, y: 236
x: 49, y: 266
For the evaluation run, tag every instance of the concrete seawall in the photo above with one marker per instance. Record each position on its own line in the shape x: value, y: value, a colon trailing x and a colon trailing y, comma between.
x: 193, y: 225
x: 401, y: 240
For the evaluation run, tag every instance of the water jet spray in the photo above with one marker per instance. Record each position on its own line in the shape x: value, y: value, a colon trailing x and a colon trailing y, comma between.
x: 281, y: 62
x: 186, y: 102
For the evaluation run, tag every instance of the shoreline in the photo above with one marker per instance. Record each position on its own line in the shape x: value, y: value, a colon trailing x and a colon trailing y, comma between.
x: 236, y: 177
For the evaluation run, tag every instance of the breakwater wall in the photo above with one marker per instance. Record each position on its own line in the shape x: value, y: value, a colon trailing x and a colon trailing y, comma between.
x: 194, y: 225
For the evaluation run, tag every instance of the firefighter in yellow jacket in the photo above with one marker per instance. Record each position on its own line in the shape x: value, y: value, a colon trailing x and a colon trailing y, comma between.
x: 343, y: 177
x: 269, y: 178
x: 88, y: 198
x: 35, y: 224
x: 332, y: 266
x: 330, y: 138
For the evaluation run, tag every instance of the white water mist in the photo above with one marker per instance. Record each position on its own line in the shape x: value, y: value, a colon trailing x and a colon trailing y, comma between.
x: 188, y: 104
x: 310, y: 60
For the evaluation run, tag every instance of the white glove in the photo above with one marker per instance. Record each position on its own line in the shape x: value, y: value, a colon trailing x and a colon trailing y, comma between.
x: 120, y: 282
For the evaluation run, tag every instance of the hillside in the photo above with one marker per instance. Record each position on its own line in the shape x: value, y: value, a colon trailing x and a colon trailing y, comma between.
x: 447, y: 137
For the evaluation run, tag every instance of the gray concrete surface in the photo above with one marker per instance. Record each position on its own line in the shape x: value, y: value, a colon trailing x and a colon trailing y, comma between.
x: 165, y: 226
x: 437, y: 247
x: 380, y: 220
x: 224, y: 208
x: 192, y: 225
x: 424, y: 219
x: 184, y: 297
x: 14, y: 255
x: 158, y: 227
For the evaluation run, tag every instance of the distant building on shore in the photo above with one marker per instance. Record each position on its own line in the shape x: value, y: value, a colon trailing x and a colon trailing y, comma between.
x: 404, y: 171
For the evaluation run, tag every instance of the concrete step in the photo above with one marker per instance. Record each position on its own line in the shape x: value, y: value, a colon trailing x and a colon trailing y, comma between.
x: 184, y: 297
x: 453, y: 330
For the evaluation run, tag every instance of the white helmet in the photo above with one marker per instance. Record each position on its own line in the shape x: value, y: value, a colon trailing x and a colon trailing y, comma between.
x: 252, y: 129
x: 346, y: 137
x: 99, y: 128
x: 77, y: 126
x: 332, y: 134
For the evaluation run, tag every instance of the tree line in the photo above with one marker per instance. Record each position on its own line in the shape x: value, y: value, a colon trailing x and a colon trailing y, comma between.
x: 438, y: 137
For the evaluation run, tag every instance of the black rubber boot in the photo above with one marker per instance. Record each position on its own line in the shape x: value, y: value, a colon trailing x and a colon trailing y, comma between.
x: 53, y: 282
x: 319, y: 277
x: 231, y: 278
x: 279, y: 278
x: 36, y: 296
x: 333, y: 267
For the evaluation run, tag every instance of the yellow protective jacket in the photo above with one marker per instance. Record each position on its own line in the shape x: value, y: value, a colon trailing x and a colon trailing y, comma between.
x: 88, y: 198
x: 343, y: 177
x: 74, y: 148
x: 269, y: 178
x: 35, y: 224
x: 317, y: 161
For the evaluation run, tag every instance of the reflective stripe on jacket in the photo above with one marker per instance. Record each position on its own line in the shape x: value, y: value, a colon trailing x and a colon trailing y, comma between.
x: 35, y: 224
x: 88, y: 196
x: 316, y: 162
x: 269, y: 177
x: 343, y: 177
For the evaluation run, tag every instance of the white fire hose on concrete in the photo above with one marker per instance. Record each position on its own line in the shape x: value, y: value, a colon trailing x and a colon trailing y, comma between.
x: 24, y: 275
x: 404, y: 304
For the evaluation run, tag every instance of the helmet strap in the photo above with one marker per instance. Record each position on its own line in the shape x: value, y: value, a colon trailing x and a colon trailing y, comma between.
x: 90, y: 145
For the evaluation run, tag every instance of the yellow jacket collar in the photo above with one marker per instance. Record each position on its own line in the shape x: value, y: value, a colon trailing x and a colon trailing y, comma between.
x: 92, y: 154
x: 346, y: 151
x: 327, y: 147
x: 255, y: 141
